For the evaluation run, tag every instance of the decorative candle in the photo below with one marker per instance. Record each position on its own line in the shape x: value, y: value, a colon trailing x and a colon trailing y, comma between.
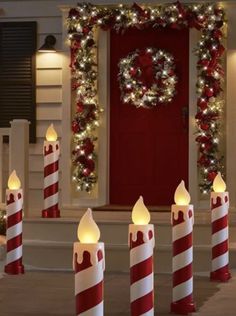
x: 89, y: 266
x: 220, y: 231
x: 14, y: 202
x: 51, y: 174
x: 182, y: 218
x: 141, y: 243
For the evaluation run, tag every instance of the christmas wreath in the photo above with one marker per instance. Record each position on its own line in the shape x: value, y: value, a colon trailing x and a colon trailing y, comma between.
x: 147, y: 77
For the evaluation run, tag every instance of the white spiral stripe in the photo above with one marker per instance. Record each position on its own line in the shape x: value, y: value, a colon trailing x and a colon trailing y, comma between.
x: 51, y: 179
x: 88, y: 278
x: 181, y: 230
x: 220, y: 236
x: 15, y: 207
x: 149, y: 313
x: 14, y: 230
x: 51, y: 200
x: 220, y: 261
x: 219, y: 212
x: 141, y: 253
x: 141, y: 287
x: 51, y: 158
x: 14, y: 254
x: 183, y: 290
x: 183, y: 259
x: 95, y: 311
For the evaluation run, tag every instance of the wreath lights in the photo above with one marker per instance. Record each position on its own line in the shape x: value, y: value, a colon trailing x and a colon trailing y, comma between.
x: 207, y: 18
x: 147, y: 77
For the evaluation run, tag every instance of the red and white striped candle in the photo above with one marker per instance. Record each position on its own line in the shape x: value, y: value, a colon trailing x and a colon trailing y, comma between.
x: 220, y: 231
x: 182, y: 226
x: 51, y: 174
x: 141, y: 243
x: 14, y: 202
x: 89, y: 266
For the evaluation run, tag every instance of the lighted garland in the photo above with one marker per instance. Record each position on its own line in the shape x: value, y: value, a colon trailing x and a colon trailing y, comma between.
x: 2, y: 222
x: 82, y: 21
x: 147, y: 77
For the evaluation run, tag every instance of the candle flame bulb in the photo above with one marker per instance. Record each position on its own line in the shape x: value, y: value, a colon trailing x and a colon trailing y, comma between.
x: 88, y: 231
x: 140, y: 214
x: 14, y: 181
x: 181, y: 196
x: 219, y: 184
x: 51, y: 134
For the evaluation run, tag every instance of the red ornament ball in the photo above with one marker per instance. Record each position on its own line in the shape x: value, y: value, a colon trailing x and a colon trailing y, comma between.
x: 86, y: 172
x: 211, y: 175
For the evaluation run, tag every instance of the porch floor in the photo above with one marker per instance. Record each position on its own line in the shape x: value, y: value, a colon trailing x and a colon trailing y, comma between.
x: 51, y: 294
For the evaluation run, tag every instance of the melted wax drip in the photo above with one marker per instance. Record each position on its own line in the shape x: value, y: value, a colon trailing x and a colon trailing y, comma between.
x: 180, y: 218
x: 99, y: 255
x: 219, y: 201
x: 49, y: 150
x: 150, y: 234
x: 85, y: 264
x: 11, y: 198
x: 140, y: 238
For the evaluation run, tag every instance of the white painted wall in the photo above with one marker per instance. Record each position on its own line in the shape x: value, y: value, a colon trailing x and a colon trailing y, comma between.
x: 54, y: 99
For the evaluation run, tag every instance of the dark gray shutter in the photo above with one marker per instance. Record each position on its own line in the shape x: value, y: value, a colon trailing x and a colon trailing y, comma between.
x: 17, y: 73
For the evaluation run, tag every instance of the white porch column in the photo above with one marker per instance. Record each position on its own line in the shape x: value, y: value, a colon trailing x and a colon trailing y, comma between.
x: 230, y: 103
x: 19, y: 155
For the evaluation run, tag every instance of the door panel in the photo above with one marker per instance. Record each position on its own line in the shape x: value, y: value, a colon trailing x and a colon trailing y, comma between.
x: 148, y: 147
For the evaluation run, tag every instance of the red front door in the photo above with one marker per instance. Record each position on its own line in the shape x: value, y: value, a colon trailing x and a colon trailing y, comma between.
x: 148, y: 147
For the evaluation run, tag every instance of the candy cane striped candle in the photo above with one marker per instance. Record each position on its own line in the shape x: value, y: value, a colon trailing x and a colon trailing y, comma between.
x: 182, y: 226
x: 141, y: 243
x: 89, y: 266
x: 14, y: 202
x: 220, y: 231
x: 51, y: 174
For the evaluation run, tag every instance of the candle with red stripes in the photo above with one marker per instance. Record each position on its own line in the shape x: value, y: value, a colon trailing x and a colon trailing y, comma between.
x: 89, y: 266
x: 51, y: 174
x: 182, y: 226
x: 220, y: 231
x: 141, y: 243
x: 14, y: 202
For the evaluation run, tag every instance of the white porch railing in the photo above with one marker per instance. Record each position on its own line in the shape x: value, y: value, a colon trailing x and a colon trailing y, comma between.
x: 18, y: 156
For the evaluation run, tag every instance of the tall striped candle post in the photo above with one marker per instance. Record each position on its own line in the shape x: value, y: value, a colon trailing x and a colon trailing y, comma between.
x: 220, y: 231
x: 14, y: 202
x: 141, y: 243
x: 51, y: 174
x: 89, y: 266
x: 182, y: 226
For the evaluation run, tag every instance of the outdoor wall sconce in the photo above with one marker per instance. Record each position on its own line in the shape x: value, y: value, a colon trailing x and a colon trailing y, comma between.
x: 48, y: 46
